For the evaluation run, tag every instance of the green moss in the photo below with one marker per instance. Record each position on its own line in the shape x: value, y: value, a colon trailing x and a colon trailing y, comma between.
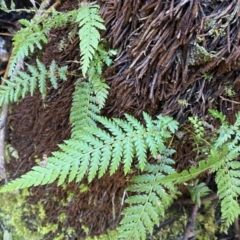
x: 27, y: 221
x: 15, y: 216
x: 206, y: 223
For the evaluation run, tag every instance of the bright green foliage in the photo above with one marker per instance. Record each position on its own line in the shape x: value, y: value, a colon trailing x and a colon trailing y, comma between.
x: 150, y: 200
x: 28, y: 37
x: 92, y: 153
x: 186, y: 175
x: 222, y: 159
x: 84, y: 109
x: 23, y: 83
x: 34, y: 34
x: 198, y: 127
x: 227, y: 170
x: 90, y: 97
x: 197, y: 191
x: 89, y: 22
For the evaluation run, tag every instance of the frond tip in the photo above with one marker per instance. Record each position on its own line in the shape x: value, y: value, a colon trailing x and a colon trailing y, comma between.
x: 89, y: 22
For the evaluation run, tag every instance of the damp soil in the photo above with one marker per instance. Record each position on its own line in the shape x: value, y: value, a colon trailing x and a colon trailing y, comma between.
x: 160, y: 68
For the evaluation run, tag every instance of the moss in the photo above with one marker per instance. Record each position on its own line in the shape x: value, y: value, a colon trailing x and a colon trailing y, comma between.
x: 15, y: 214
x: 199, y: 55
x: 27, y: 221
x: 206, y: 223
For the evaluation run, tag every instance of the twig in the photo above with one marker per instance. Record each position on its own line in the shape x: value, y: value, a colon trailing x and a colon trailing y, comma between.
x: 7, y: 34
x: 236, y: 228
x: 166, y: 223
x: 189, y: 231
x: 207, y: 198
x: 3, y: 120
x: 228, y: 100
x: 42, y: 7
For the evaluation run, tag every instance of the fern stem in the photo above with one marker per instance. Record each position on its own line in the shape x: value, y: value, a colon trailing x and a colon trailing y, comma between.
x: 3, y: 119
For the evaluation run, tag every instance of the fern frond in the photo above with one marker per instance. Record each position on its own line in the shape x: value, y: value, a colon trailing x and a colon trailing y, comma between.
x: 211, y: 162
x: 89, y: 23
x: 83, y: 112
x: 95, y: 151
x: 87, y: 102
x: 228, y: 175
x: 34, y: 34
x: 31, y: 36
x: 227, y: 179
x: 223, y: 160
x: 24, y: 82
x: 149, y: 204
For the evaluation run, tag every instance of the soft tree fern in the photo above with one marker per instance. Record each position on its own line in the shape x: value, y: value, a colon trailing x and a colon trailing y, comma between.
x: 99, y: 145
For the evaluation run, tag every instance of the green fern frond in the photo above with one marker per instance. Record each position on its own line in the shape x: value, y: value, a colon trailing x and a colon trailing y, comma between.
x: 228, y: 175
x: 228, y: 183
x: 29, y: 37
x: 212, y: 161
x: 150, y: 202
x: 223, y: 160
x: 84, y: 110
x: 88, y: 100
x: 23, y: 83
x: 34, y: 34
x: 89, y: 22
x: 97, y: 150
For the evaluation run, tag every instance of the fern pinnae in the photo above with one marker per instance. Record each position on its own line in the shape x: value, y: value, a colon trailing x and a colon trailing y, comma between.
x: 113, y: 127
x: 228, y: 190
x: 53, y: 78
x: 86, y: 105
x: 146, y: 206
x: 105, y: 160
x: 117, y: 153
x: 25, y: 42
x: 86, y: 153
x: 24, y: 82
x: 89, y: 21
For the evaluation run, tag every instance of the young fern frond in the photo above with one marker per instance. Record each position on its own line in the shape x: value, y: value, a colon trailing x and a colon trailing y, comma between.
x: 89, y: 22
x: 150, y: 201
x: 97, y: 150
x: 25, y: 82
